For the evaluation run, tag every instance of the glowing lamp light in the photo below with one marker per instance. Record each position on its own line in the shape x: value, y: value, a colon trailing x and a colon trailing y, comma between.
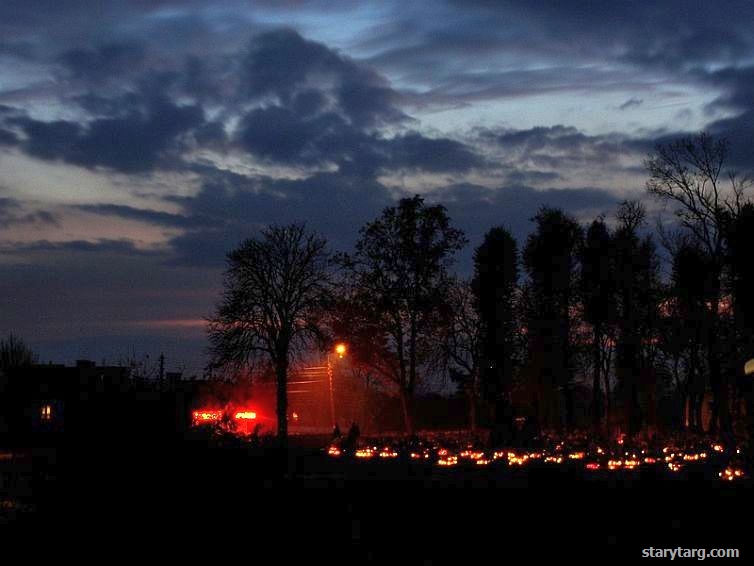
x: 388, y: 453
x: 614, y: 464
x: 205, y: 416
x: 246, y: 415
x: 340, y: 349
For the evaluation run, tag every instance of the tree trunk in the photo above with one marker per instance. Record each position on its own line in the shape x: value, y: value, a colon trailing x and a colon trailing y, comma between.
x: 281, y: 375
x: 472, y: 409
x: 716, y: 371
x: 597, y: 372
x: 412, y: 354
x: 608, y: 403
x: 407, y: 422
x: 681, y: 397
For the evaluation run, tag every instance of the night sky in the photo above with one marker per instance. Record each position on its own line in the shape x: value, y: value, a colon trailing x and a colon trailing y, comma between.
x: 141, y: 140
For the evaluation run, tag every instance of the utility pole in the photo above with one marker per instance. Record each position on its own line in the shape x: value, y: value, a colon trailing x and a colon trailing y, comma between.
x: 162, y: 367
x: 332, y: 398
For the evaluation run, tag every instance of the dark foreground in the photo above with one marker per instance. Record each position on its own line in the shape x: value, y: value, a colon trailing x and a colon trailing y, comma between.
x: 186, y: 497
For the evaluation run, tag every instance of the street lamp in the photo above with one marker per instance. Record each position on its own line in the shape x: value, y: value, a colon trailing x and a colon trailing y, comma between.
x: 340, y: 350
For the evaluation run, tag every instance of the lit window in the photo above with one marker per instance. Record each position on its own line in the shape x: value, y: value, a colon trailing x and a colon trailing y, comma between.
x: 46, y: 412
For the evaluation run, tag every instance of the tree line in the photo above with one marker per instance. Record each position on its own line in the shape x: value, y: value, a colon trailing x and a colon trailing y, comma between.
x: 572, y: 309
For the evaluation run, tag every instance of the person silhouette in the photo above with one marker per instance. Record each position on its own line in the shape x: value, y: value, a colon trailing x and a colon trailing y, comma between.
x: 352, y: 437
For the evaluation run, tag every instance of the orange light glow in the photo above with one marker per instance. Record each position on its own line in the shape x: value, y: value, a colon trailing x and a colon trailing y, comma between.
x: 206, y: 416
x: 334, y: 451
x: 46, y: 412
x: 247, y: 415
x: 449, y: 461
x: 340, y: 349
x: 614, y: 464
x: 731, y: 474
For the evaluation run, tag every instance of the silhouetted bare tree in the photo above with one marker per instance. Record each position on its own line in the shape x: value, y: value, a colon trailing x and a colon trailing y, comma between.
x: 399, y: 273
x: 597, y: 286
x: 15, y: 353
x: 636, y: 300
x: 276, y: 287
x: 693, y: 284
x: 462, y: 343
x: 689, y: 173
x: 495, y: 286
x: 550, y: 260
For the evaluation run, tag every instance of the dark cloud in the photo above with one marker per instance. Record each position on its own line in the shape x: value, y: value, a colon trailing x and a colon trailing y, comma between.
x: 559, y: 147
x: 531, y: 177
x: 146, y: 132
x: 280, y: 134
x: 13, y: 212
x: 414, y: 151
x: 232, y: 207
x: 318, y: 108
x: 108, y: 61
x: 281, y: 64
x: 326, y: 109
x: 7, y: 137
x: 738, y: 99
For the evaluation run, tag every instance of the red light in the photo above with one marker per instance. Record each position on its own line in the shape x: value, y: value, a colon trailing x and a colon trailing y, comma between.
x: 205, y: 416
